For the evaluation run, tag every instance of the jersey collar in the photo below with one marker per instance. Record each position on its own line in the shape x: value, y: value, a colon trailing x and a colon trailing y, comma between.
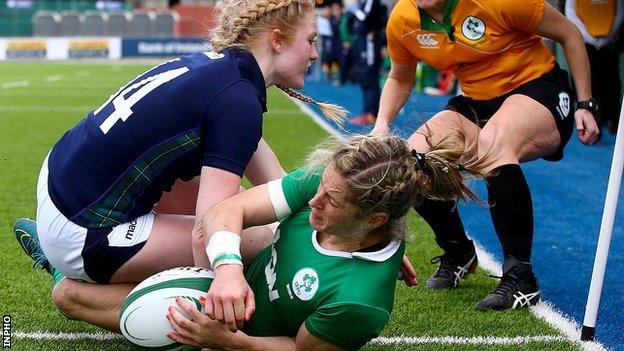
x: 250, y: 70
x: 427, y: 23
x: 375, y: 256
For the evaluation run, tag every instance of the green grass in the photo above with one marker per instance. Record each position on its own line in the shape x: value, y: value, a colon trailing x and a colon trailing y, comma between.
x: 33, y: 117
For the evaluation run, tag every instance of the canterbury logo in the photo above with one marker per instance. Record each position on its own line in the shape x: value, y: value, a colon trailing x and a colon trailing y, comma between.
x: 426, y: 39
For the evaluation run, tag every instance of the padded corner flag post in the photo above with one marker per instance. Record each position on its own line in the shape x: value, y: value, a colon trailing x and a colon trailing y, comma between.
x: 606, y: 227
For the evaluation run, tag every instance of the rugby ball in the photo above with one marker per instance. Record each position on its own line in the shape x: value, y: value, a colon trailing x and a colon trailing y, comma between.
x: 143, y: 320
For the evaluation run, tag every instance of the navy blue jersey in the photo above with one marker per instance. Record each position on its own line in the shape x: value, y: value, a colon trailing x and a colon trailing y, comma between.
x: 204, y: 109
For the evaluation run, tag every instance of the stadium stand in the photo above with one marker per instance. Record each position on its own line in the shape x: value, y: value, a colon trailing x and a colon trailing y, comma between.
x: 93, y: 23
x: 46, y: 23
x: 165, y: 24
x: 119, y: 23
x: 70, y: 23
x: 142, y: 25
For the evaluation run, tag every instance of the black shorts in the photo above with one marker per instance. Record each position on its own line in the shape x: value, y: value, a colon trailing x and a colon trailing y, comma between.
x: 552, y: 90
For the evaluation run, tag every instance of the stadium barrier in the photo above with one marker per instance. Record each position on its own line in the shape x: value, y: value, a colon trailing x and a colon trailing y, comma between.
x: 63, y: 48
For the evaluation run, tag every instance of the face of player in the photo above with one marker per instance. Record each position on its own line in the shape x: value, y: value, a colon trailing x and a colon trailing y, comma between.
x: 331, y: 212
x: 297, y: 54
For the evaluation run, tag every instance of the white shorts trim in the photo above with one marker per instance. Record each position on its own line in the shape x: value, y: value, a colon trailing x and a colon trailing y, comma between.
x: 63, y: 241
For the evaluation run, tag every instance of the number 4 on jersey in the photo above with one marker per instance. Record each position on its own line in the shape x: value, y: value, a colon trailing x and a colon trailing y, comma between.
x: 123, y: 106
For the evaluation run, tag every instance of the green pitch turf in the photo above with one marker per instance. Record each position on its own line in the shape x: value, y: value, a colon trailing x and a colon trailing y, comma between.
x: 41, y: 100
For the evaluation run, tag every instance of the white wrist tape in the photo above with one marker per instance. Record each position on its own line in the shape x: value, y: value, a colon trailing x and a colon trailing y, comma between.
x: 224, y: 248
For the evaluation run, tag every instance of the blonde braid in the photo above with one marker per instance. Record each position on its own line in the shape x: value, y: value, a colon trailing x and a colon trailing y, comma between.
x: 244, y: 19
x: 334, y: 112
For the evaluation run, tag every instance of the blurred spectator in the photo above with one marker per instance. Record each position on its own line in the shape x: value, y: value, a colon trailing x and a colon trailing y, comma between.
x: 600, y: 23
x: 368, y: 34
x: 331, y: 46
x: 347, y: 60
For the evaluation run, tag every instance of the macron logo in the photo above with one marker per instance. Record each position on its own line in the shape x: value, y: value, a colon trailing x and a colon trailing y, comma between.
x: 427, y: 40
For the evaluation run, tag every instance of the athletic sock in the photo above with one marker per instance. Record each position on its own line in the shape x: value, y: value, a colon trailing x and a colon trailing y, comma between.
x: 57, y: 276
x: 444, y: 220
x: 511, y: 209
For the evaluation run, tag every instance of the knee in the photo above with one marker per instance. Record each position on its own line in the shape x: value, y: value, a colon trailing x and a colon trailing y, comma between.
x: 65, y: 299
x: 486, y: 141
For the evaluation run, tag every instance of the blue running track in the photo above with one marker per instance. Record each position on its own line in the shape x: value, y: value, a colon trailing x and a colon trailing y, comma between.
x: 568, y: 198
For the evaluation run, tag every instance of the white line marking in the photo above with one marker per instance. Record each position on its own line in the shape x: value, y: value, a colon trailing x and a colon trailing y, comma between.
x: 42, y: 335
x: 542, y: 310
x: 392, y: 340
x: 16, y: 84
x: 83, y: 73
x: 475, y: 340
x: 54, y: 78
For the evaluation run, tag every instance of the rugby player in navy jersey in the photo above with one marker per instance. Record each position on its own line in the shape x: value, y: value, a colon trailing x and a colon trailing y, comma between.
x: 189, y: 128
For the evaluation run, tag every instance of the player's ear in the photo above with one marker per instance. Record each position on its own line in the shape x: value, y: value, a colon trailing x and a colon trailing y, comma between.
x: 276, y: 39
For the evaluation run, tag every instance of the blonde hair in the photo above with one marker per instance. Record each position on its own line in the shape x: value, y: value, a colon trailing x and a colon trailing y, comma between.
x: 241, y: 22
x: 385, y: 175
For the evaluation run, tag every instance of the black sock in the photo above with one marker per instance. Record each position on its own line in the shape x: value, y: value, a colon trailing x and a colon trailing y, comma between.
x: 448, y: 228
x: 511, y: 209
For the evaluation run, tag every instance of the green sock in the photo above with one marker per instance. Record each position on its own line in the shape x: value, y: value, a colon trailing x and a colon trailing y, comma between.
x: 56, y: 275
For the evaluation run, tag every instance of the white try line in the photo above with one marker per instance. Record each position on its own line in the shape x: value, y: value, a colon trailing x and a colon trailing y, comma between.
x: 543, y: 310
x: 391, y: 340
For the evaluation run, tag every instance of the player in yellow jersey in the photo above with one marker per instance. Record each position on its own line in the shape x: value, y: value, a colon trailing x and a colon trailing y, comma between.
x: 599, y: 23
x: 517, y: 106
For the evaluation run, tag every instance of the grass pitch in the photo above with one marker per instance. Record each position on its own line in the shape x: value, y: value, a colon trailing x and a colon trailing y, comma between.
x: 39, y: 101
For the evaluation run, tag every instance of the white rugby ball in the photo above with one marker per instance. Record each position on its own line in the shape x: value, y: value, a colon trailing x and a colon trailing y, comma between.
x: 143, y: 320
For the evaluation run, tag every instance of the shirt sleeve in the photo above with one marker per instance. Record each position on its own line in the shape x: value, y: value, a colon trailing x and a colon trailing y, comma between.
x: 365, y: 323
x: 232, y: 128
x: 394, y: 31
x: 523, y: 15
x: 292, y: 192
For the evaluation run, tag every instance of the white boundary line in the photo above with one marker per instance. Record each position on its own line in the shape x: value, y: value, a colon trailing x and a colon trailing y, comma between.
x: 543, y: 310
x: 42, y: 335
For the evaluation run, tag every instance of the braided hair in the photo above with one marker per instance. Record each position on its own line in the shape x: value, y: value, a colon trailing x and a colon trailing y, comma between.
x: 241, y: 22
x: 384, y: 175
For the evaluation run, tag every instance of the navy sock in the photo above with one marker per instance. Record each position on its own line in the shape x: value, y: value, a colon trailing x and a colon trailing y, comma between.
x: 511, y: 209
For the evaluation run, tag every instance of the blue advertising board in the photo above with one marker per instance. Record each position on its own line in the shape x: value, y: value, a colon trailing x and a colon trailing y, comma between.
x: 161, y: 47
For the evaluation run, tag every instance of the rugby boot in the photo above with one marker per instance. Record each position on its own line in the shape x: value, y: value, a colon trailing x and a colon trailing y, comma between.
x: 518, y: 288
x: 25, y: 230
x: 453, y: 266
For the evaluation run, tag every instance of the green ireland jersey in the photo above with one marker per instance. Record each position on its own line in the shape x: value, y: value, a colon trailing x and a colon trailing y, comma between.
x: 343, y: 298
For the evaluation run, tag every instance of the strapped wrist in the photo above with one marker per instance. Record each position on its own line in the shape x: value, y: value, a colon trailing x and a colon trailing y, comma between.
x: 224, y: 248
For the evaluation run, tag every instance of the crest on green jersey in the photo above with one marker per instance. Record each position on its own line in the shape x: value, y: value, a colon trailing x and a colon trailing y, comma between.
x: 305, y: 283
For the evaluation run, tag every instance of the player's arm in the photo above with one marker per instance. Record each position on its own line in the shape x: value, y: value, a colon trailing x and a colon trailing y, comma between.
x: 264, y: 165
x: 556, y: 27
x: 394, y: 95
x: 230, y: 299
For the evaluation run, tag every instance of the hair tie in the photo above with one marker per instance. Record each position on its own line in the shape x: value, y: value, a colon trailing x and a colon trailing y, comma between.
x: 419, y: 160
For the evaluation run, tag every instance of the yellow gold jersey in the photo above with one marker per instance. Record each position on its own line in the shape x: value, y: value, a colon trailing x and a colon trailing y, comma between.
x: 598, y: 16
x: 487, y: 43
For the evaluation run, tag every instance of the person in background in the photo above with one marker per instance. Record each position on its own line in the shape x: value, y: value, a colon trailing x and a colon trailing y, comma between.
x: 368, y: 35
x: 600, y: 23
x: 517, y: 106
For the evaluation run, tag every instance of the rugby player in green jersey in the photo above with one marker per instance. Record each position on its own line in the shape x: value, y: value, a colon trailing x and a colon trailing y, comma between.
x: 335, y: 255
